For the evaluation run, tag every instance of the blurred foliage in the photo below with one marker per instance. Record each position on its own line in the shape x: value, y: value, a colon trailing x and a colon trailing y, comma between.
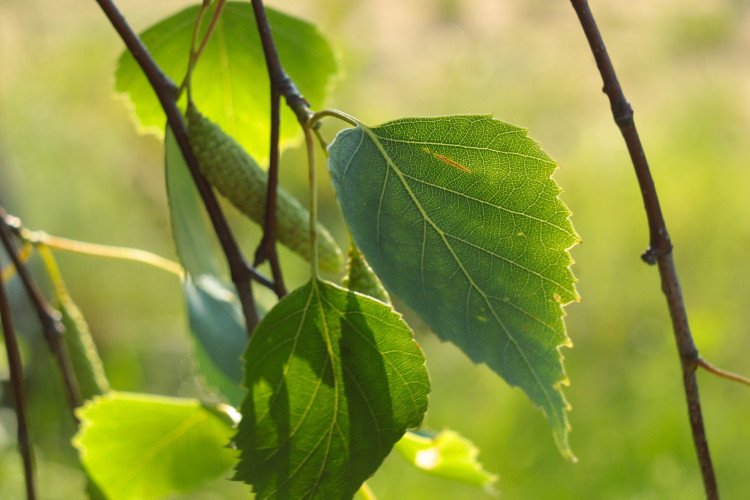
x: 72, y: 164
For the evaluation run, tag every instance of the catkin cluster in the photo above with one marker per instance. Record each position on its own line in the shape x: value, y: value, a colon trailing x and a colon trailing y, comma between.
x: 231, y: 170
x: 361, y: 278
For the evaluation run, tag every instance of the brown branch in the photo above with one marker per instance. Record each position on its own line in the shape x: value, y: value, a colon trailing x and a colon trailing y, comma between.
x: 166, y: 91
x: 267, y: 247
x: 660, y: 247
x: 279, y: 79
x: 19, y: 391
x: 49, y: 318
x: 281, y: 84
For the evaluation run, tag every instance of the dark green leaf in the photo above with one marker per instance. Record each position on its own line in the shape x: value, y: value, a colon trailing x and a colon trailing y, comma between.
x: 230, y: 84
x: 217, y: 326
x: 138, y: 446
x: 335, y: 379
x: 459, y: 217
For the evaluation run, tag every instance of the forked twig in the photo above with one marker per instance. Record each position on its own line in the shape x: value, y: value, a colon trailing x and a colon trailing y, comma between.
x: 48, y: 317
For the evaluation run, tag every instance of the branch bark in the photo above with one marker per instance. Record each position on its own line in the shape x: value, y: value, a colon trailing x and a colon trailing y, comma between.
x: 19, y: 391
x: 659, y: 251
x: 49, y: 318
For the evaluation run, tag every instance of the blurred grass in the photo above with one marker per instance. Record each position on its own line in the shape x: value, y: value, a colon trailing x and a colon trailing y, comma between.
x: 71, y: 164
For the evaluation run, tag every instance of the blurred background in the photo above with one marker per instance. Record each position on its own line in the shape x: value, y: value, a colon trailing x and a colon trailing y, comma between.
x: 72, y: 164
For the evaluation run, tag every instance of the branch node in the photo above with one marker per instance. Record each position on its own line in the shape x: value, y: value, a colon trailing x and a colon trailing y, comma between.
x: 654, y: 251
x: 622, y: 112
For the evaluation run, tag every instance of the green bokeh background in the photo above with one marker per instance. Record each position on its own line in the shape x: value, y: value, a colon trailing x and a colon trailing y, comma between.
x: 72, y: 165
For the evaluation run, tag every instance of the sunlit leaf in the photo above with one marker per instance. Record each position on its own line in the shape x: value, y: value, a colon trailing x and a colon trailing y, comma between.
x: 230, y: 84
x: 335, y: 379
x: 447, y: 455
x: 459, y: 217
x: 138, y: 446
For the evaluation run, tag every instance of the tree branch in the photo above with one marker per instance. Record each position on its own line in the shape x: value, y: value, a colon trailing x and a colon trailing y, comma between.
x: 48, y: 317
x: 660, y: 247
x: 279, y: 79
x: 19, y: 391
x: 166, y: 91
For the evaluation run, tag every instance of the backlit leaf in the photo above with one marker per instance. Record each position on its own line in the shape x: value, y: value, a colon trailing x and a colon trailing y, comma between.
x: 335, y: 378
x: 230, y: 82
x: 138, y: 446
x: 459, y: 218
x: 447, y: 455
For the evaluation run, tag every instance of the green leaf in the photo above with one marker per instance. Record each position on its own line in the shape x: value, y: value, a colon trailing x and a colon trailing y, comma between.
x: 459, y: 218
x: 447, y: 455
x: 335, y: 379
x: 195, y: 241
x: 138, y: 446
x: 216, y: 322
x: 217, y: 325
x: 230, y: 83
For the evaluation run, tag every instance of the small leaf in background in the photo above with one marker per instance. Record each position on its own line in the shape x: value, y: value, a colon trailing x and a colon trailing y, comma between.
x: 459, y: 217
x: 335, y: 379
x: 447, y: 455
x: 138, y: 446
x: 361, y: 278
x: 230, y: 82
x: 216, y: 322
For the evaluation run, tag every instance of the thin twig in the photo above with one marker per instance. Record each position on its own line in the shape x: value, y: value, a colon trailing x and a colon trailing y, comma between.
x: 166, y: 91
x: 722, y: 373
x: 267, y: 247
x: 660, y: 246
x: 19, y: 391
x: 106, y: 251
x: 310, y: 147
x: 48, y: 317
x: 195, y: 54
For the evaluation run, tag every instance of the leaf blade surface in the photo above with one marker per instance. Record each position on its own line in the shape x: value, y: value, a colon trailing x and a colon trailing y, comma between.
x: 230, y: 82
x: 460, y: 218
x: 334, y: 379
x: 141, y: 446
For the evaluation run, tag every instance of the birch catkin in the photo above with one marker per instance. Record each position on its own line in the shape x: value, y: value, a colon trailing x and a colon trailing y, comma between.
x: 361, y: 278
x: 231, y: 170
